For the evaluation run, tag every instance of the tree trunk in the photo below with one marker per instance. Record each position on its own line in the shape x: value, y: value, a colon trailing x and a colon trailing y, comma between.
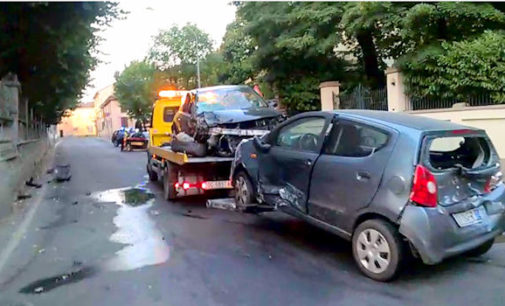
x: 374, y: 75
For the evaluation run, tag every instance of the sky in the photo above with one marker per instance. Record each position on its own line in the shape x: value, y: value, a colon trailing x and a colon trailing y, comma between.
x: 129, y: 39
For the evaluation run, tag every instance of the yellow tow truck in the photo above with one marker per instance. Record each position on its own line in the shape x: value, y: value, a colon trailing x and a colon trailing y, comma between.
x: 180, y: 174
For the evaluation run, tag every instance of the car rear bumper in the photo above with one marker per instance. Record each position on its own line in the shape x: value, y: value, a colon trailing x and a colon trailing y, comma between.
x: 436, y: 235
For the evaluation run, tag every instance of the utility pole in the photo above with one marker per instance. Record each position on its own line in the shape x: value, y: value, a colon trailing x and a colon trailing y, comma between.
x: 198, y: 69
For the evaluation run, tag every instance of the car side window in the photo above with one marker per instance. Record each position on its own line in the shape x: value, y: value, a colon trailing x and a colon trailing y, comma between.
x: 355, y: 140
x: 303, y: 134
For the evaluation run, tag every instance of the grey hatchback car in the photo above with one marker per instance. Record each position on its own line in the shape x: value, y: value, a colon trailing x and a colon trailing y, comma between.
x: 395, y: 185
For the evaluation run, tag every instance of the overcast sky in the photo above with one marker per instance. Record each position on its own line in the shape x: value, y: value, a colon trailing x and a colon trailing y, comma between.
x: 130, y: 39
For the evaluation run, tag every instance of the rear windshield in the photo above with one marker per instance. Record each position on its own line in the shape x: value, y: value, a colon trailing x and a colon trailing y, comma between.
x: 451, y: 152
x: 169, y: 113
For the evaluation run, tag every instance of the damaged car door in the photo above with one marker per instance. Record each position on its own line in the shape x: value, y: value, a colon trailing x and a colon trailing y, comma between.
x: 285, y: 168
x: 349, y: 171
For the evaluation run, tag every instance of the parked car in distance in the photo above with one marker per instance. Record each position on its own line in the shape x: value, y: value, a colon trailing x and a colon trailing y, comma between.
x: 117, y: 137
x: 136, y: 140
x: 391, y: 183
x: 220, y: 117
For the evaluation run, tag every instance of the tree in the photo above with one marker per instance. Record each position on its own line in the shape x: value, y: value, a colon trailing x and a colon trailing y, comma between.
x: 136, y: 89
x: 236, y: 50
x: 453, y: 50
x: 177, y: 50
x: 52, y: 48
x: 295, y: 47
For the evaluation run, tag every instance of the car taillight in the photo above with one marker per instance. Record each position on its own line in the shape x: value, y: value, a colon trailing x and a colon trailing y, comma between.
x: 492, y: 182
x: 424, y: 188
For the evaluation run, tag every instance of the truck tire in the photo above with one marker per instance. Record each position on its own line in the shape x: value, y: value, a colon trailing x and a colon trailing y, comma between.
x: 191, y: 148
x: 153, y: 176
x: 378, y: 249
x: 169, y: 180
x: 481, y: 249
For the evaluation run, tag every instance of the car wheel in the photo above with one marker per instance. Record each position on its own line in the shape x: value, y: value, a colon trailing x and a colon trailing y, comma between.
x: 128, y: 147
x: 244, y: 191
x: 116, y: 143
x: 481, y: 249
x: 169, y: 179
x: 378, y: 249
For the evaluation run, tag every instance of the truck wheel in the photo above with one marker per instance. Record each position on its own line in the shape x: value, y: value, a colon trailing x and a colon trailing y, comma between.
x: 153, y: 177
x: 481, y: 249
x: 244, y: 191
x: 378, y: 249
x: 169, y: 179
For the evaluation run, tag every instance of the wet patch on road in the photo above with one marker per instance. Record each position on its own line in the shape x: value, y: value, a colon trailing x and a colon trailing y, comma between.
x: 50, y: 283
x: 145, y: 244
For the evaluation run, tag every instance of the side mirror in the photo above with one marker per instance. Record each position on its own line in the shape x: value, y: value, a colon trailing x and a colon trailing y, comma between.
x: 260, y: 145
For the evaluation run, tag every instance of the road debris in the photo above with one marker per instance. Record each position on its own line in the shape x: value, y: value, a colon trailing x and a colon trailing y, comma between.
x: 24, y: 196
x: 62, y: 173
x: 31, y: 183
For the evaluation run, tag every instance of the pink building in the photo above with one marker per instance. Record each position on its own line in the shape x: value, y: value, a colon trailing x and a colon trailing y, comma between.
x: 109, y: 116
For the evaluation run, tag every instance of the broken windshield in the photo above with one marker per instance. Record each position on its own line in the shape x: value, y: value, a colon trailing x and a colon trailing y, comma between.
x: 228, y: 98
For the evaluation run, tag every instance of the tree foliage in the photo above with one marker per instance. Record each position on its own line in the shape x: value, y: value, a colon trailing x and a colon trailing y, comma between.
x: 52, y: 48
x: 176, y: 51
x: 294, y: 45
x: 136, y: 89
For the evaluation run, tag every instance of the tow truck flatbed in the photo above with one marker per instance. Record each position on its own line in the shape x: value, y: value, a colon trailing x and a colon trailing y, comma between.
x: 178, y: 158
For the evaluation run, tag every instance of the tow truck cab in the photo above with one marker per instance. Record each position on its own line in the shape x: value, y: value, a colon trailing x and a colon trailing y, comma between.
x: 163, y: 114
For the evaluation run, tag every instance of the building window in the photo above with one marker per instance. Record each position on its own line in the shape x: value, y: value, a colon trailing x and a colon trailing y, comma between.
x: 124, y: 121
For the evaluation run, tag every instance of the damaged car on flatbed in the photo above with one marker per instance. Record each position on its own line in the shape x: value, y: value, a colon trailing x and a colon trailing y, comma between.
x: 395, y: 185
x: 212, y: 121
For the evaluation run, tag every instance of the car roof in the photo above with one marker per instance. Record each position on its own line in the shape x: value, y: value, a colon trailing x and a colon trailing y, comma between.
x: 415, y: 122
x: 203, y: 89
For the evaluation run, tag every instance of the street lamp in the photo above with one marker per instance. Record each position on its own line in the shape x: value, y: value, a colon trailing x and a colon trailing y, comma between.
x: 198, y: 69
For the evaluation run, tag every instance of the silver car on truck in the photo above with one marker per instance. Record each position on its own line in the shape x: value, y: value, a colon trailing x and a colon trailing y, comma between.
x: 391, y: 183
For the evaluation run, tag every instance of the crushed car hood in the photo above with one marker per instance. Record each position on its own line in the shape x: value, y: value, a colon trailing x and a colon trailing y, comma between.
x: 238, y: 115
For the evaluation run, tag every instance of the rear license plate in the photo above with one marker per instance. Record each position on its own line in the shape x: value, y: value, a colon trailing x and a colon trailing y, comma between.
x: 218, y: 185
x: 137, y: 143
x: 469, y: 217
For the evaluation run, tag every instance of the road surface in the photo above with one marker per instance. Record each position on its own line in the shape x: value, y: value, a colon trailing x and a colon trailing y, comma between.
x: 99, y: 239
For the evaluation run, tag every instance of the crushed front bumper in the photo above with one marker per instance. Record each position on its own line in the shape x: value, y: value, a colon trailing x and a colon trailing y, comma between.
x: 436, y: 235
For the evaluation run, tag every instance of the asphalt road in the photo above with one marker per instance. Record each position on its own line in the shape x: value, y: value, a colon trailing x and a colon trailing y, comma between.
x: 77, y: 243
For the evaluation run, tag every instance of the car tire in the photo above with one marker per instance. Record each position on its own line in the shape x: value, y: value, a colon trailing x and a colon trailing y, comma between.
x: 169, y: 179
x: 380, y: 240
x: 244, y: 190
x: 192, y: 148
x: 481, y: 249
x: 128, y: 147
x: 116, y: 143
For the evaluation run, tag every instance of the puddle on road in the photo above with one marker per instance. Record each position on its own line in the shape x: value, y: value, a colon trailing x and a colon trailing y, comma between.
x: 50, y: 283
x: 145, y: 245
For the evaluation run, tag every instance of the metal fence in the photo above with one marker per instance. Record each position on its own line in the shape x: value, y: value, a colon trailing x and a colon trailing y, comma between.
x: 420, y: 103
x: 361, y: 97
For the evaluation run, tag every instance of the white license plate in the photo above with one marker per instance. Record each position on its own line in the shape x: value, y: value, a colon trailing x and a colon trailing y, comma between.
x: 137, y: 143
x: 469, y: 217
x: 218, y: 185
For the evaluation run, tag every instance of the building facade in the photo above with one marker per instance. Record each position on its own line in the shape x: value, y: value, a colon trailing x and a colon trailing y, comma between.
x: 109, y: 116
x: 78, y: 122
